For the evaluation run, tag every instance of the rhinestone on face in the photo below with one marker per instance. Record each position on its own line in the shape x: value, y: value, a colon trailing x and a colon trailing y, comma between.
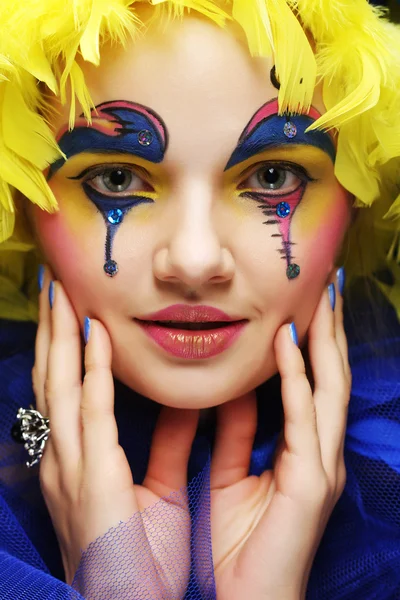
x: 290, y: 130
x: 145, y: 137
x: 111, y: 268
x: 283, y: 210
x: 115, y: 216
x: 293, y: 271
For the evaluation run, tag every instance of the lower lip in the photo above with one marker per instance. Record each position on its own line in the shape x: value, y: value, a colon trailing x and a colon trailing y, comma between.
x: 190, y: 344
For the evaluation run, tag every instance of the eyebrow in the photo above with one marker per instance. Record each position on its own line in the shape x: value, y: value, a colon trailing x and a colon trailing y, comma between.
x: 266, y: 129
x: 118, y: 127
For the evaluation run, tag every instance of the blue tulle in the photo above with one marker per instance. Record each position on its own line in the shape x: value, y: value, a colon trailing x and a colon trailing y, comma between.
x: 359, y: 556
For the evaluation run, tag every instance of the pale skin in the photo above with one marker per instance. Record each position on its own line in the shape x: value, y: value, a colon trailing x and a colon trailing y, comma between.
x: 265, y: 530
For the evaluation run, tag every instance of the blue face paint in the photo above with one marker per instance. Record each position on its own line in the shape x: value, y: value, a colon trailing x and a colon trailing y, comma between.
x: 113, y: 211
x: 279, y: 131
x: 267, y: 129
x: 118, y: 127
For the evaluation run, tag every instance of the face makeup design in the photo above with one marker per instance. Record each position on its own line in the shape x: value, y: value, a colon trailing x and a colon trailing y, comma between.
x: 117, y: 127
x: 266, y: 129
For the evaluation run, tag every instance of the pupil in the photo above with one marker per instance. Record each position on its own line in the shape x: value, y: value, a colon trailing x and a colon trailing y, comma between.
x: 271, y: 176
x: 117, y: 177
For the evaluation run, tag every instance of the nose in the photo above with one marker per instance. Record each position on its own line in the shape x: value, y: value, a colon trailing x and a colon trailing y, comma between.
x: 193, y: 254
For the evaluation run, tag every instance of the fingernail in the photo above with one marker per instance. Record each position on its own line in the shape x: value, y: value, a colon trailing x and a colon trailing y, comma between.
x: 40, y: 277
x: 51, y: 293
x: 293, y: 333
x: 341, y: 279
x: 86, y: 329
x: 332, y: 295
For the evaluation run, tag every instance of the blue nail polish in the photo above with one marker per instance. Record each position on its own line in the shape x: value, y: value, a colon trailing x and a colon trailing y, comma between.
x: 51, y: 293
x: 332, y: 295
x: 293, y: 333
x: 86, y: 329
x: 40, y: 277
x: 341, y: 279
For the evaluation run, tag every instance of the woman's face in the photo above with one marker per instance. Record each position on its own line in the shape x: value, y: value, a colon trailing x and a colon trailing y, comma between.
x: 189, y: 193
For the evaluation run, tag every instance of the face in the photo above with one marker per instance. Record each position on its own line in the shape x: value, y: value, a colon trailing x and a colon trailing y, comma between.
x: 189, y: 195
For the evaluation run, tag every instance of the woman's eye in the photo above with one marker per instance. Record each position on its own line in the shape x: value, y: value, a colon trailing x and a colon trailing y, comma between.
x: 273, y: 178
x: 118, y: 180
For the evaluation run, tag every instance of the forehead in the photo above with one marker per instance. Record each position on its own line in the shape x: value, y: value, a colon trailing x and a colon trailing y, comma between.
x: 199, y: 78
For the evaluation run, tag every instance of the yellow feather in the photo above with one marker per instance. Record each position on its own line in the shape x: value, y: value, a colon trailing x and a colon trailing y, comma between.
x: 394, y: 210
x: 208, y: 8
x: 253, y: 17
x: 31, y: 182
x: 26, y: 134
x: 114, y: 16
x: 295, y: 62
x: 79, y: 90
x: 356, y: 101
x: 7, y: 222
x: 354, y: 174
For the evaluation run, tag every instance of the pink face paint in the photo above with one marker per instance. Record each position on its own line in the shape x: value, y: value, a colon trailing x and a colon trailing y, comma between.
x: 280, y: 209
x: 54, y: 233
x: 268, y: 110
x: 105, y: 119
x: 268, y: 129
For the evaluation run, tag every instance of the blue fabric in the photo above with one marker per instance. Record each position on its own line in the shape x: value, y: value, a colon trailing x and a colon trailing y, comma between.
x: 359, y: 556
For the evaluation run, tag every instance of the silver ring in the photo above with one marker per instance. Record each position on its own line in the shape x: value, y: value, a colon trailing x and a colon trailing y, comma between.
x: 32, y: 430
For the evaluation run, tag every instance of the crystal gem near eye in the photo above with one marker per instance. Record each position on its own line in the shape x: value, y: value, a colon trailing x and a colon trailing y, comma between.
x: 145, y: 137
x: 115, y: 216
x: 283, y: 210
x: 110, y: 268
x: 290, y: 130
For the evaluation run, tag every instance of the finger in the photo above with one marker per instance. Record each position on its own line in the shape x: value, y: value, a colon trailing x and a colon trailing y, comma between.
x: 300, y: 427
x: 341, y: 340
x: 42, y: 343
x: 100, y: 432
x: 331, y: 385
x: 339, y: 325
x: 64, y: 378
x: 170, y: 450
x: 106, y: 474
x: 236, y: 428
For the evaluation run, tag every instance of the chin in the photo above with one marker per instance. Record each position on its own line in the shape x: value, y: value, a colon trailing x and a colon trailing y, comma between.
x: 193, y: 386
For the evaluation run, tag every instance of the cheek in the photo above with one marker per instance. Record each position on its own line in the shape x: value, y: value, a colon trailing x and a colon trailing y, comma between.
x: 65, y: 235
x: 73, y: 243
x: 316, y: 233
x: 320, y: 231
x: 74, y: 252
x: 58, y: 242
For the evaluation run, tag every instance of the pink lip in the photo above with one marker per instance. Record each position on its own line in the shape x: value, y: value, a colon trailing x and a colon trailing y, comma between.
x: 186, y: 313
x: 192, y: 344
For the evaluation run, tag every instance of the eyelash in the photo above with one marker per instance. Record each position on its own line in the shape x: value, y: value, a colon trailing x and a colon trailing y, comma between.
x: 281, y: 166
x: 89, y: 175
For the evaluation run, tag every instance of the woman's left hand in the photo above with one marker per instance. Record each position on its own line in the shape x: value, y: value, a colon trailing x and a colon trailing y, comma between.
x: 266, y: 530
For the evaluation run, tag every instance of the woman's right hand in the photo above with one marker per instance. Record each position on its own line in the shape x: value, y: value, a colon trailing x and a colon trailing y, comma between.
x: 84, y: 473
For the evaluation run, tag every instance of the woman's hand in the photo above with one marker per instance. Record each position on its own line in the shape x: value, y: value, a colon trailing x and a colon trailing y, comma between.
x: 85, y: 477
x: 266, y: 530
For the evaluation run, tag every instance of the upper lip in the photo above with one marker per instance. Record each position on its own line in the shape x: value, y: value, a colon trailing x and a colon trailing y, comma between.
x: 186, y: 313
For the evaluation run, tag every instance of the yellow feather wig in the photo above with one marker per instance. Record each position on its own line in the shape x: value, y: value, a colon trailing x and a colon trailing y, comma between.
x: 355, y: 53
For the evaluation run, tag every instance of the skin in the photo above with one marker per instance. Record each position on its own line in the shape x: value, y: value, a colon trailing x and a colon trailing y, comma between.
x: 202, y: 240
